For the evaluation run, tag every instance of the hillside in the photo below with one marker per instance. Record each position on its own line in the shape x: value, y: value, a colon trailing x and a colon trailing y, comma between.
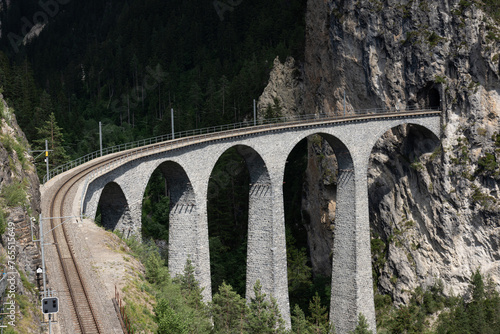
x: 19, y: 202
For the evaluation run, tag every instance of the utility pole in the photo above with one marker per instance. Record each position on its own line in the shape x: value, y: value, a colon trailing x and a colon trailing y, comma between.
x: 172, y: 117
x: 100, y: 136
x: 254, y: 114
x: 40, y: 221
x: 47, y: 157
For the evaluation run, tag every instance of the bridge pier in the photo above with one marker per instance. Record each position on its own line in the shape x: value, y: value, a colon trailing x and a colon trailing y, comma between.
x: 352, y: 283
x: 266, y: 248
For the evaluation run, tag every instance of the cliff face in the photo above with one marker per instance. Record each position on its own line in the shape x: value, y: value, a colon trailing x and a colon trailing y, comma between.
x: 434, y: 203
x: 19, y: 201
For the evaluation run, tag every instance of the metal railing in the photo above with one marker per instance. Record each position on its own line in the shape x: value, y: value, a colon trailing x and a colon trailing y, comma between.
x: 184, y: 136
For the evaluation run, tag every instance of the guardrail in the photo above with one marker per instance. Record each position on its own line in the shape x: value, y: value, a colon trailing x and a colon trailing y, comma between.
x: 224, y: 128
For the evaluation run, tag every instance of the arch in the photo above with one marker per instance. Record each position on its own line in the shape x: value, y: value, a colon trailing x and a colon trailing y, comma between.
x: 351, y: 270
x: 179, y: 186
x: 115, y: 211
x: 260, y: 213
x: 398, y: 197
x: 183, y: 216
x: 170, y: 191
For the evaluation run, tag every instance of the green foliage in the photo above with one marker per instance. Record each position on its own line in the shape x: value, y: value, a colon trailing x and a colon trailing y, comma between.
x: 434, y: 39
x: 299, y: 274
x: 228, y: 311
x: 51, y: 132
x: 155, y: 209
x: 299, y: 323
x: 319, y: 316
x: 410, y: 318
x: 488, y: 165
x: 263, y: 315
x: 169, y: 321
x: 3, y: 222
x: 15, y: 145
x: 14, y: 194
x: 379, y: 258
x: 481, y: 198
x: 440, y: 79
x: 362, y: 326
x: 479, y: 315
x: 496, y: 139
x: 493, y: 8
x: 209, y: 76
x: 156, y: 271
x: 273, y: 111
x: 190, y: 288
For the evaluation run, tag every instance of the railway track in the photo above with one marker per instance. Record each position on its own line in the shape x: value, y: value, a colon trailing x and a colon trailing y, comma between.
x: 81, y: 309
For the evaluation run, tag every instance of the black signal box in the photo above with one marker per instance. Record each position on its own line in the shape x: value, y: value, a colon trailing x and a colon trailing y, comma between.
x: 50, y: 305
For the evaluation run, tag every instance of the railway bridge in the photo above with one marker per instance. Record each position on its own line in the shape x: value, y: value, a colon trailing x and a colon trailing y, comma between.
x: 117, y: 186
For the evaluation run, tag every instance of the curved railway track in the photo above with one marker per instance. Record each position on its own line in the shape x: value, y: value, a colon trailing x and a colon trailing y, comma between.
x: 81, y: 308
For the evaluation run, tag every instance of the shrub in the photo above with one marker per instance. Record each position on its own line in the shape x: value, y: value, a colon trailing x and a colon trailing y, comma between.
x: 3, y: 222
x: 14, y: 194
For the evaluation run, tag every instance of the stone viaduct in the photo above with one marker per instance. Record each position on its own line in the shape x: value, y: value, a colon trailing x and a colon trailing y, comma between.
x: 119, y: 192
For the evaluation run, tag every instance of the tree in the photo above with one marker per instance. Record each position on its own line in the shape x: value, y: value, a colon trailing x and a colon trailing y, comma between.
x: 190, y: 287
x: 169, y: 321
x: 300, y: 325
x: 475, y: 309
x: 51, y: 132
x: 263, y: 315
x: 319, y: 316
x: 362, y: 327
x: 228, y: 311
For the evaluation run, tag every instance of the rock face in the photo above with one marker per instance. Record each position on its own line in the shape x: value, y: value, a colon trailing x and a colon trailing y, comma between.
x: 434, y: 202
x: 283, y: 91
x: 19, y: 200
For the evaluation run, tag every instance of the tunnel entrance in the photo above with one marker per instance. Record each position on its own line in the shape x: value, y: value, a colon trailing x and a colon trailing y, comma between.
x: 429, y: 97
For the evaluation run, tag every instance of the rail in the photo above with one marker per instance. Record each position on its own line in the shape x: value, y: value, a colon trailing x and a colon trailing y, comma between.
x: 258, y: 124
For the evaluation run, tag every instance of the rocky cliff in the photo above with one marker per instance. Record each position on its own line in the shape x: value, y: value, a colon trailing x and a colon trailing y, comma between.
x: 434, y: 202
x: 19, y: 201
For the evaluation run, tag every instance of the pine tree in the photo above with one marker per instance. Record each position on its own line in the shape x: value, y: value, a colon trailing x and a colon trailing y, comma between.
x: 168, y: 320
x: 362, y: 327
x: 51, y: 132
x: 192, y: 306
x: 319, y: 316
x: 263, y: 316
x: 228, y: 311
x: 190, y: 287
x: 300, y: 325
x: 475, y: 309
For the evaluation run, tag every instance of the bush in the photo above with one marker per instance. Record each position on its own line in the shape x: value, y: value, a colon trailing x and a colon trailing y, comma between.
x: 14, y: 194
x: 3, y: 222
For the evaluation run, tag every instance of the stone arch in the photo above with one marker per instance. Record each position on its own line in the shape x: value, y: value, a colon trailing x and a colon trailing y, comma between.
x: 178, y: 186
x: 260, y: 214
x: 350, y: 252
x: 394, y: 178
x: 183, y: 215
x: 115, y: 211
x: 427, y: 133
